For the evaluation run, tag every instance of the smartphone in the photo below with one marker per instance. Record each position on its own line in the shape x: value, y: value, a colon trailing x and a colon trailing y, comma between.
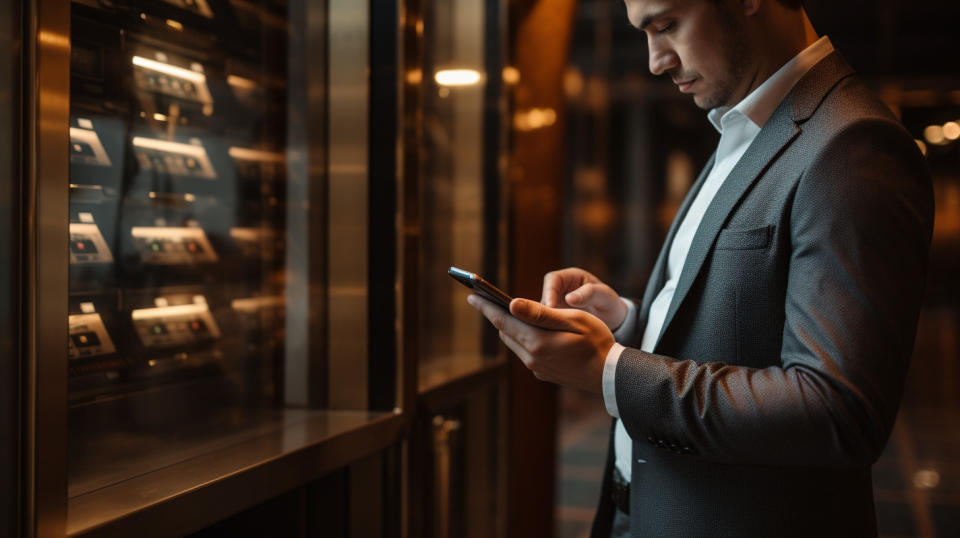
x: 481, y: 287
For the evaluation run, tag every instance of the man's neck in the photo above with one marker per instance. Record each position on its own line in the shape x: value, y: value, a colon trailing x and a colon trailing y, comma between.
x: 778, y: 44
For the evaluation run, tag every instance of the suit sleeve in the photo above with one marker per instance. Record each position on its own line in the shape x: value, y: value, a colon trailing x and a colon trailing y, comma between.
x: 861, y: 223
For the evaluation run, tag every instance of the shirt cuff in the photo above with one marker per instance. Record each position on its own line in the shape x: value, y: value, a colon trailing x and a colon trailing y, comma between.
x: 623, y: 332
x: 610, y: 379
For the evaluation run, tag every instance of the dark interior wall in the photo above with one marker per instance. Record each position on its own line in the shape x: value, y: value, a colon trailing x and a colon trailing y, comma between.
x: 892, y: 37
x: 9, y: 356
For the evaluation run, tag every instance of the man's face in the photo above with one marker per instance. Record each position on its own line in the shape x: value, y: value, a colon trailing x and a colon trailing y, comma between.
x: 700, y: 44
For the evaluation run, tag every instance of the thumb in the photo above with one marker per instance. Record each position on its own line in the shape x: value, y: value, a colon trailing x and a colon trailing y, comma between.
x: 543, y: 316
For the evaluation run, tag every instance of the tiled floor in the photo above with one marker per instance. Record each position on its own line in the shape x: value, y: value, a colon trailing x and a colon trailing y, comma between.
x: 916, y: 480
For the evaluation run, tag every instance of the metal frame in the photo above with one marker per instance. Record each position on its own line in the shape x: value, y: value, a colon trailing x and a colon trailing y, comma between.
x: 46, y: 149
x: 410, y: 75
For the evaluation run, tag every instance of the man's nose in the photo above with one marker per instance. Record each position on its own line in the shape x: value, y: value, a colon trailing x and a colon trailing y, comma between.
x: 662, y: 59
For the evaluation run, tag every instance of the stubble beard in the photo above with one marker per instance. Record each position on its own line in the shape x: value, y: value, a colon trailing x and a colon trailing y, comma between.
x: 735, y: 53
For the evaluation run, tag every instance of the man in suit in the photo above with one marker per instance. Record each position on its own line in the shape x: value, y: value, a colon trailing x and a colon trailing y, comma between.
x: 759, y: 377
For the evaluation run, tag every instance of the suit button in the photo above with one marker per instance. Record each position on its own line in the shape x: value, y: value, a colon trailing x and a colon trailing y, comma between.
x: 661, y: 443
x: 652, y: 440
x: 689, y: 450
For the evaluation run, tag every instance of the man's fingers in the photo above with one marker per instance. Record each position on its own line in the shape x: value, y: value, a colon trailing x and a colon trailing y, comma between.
x: 517, y: 349
x: 497, y: 316
x: 543, y: 316
x: 552, y: 289
x: 580, y: 296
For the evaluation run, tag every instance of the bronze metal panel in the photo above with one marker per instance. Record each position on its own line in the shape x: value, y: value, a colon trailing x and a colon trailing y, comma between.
x: 348, y: 93
x: 46, y: 264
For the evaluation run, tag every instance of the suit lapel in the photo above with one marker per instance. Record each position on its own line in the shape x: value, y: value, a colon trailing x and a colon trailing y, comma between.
x: 779, y: 131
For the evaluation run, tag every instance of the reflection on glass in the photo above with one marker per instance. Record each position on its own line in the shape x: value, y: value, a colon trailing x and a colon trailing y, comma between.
x: 453, y: 185
x: 179, y: 216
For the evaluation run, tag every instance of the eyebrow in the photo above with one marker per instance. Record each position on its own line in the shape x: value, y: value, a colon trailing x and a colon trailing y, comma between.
x: 647, y: 20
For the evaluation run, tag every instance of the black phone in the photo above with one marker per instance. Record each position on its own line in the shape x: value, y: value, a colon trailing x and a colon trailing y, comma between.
x: 481, y: 287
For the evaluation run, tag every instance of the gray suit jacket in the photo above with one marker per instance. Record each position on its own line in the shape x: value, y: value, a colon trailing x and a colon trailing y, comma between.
x: 777, y: 376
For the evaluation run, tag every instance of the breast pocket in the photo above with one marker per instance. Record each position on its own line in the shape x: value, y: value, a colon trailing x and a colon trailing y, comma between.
x: 752, y: 239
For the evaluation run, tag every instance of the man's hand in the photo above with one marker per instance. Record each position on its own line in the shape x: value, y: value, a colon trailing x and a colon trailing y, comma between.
x: 575, y: 288
x: 563, y: 346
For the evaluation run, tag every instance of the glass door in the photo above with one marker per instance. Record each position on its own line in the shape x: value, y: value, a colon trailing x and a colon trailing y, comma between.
x: 461, y: 182
x: 217, y: 242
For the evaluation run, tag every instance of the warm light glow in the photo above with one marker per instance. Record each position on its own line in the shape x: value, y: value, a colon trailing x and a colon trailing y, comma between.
x: 951, y: 130
x: 414, y: 77
x: 926, y: 479
x: 457, y: 77
x: 151, y: 313
x: 172, y: 70
x: 573, y: 82
x: 176, y: 25
x: 247, y: 154
x: 253, y: 304
x: 240, y: 82
x: 534, y: 118
x: 189, y: 197
x: 53, y: 39
x: 170, y: 147
x: 511, y: 75
x: 159, y: 117
x: 934, y: 134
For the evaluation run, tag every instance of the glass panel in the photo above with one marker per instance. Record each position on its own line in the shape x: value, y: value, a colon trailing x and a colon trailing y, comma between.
x: 201, y: 212
x: 453, y: 196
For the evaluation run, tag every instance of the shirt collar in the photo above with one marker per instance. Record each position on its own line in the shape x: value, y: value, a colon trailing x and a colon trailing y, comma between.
x: 764, y: 100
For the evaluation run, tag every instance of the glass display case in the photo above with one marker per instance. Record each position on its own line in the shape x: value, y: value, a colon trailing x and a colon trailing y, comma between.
x: 218, y: 283
x: 230, y: 257
x: 461, y: 198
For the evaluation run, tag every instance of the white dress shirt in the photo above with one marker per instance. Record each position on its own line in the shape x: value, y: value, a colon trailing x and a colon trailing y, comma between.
x: 738, y: 126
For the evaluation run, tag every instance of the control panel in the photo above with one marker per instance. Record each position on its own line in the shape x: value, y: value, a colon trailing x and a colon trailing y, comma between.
x: 175, y: 158
x: 157, y: 74
x: 88, y: 337
x: 86, y: 147
x: 175, y: 325
x: 172, y: 245
x: 87, y: 244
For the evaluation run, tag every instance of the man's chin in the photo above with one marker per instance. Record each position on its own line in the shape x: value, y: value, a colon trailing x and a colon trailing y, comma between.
x: 707, y: 102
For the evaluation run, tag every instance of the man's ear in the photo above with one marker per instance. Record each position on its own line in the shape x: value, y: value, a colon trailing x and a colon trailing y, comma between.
x: 750, y: 7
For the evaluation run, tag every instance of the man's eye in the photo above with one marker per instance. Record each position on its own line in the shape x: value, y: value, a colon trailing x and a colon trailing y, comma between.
x: 666, y: 28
